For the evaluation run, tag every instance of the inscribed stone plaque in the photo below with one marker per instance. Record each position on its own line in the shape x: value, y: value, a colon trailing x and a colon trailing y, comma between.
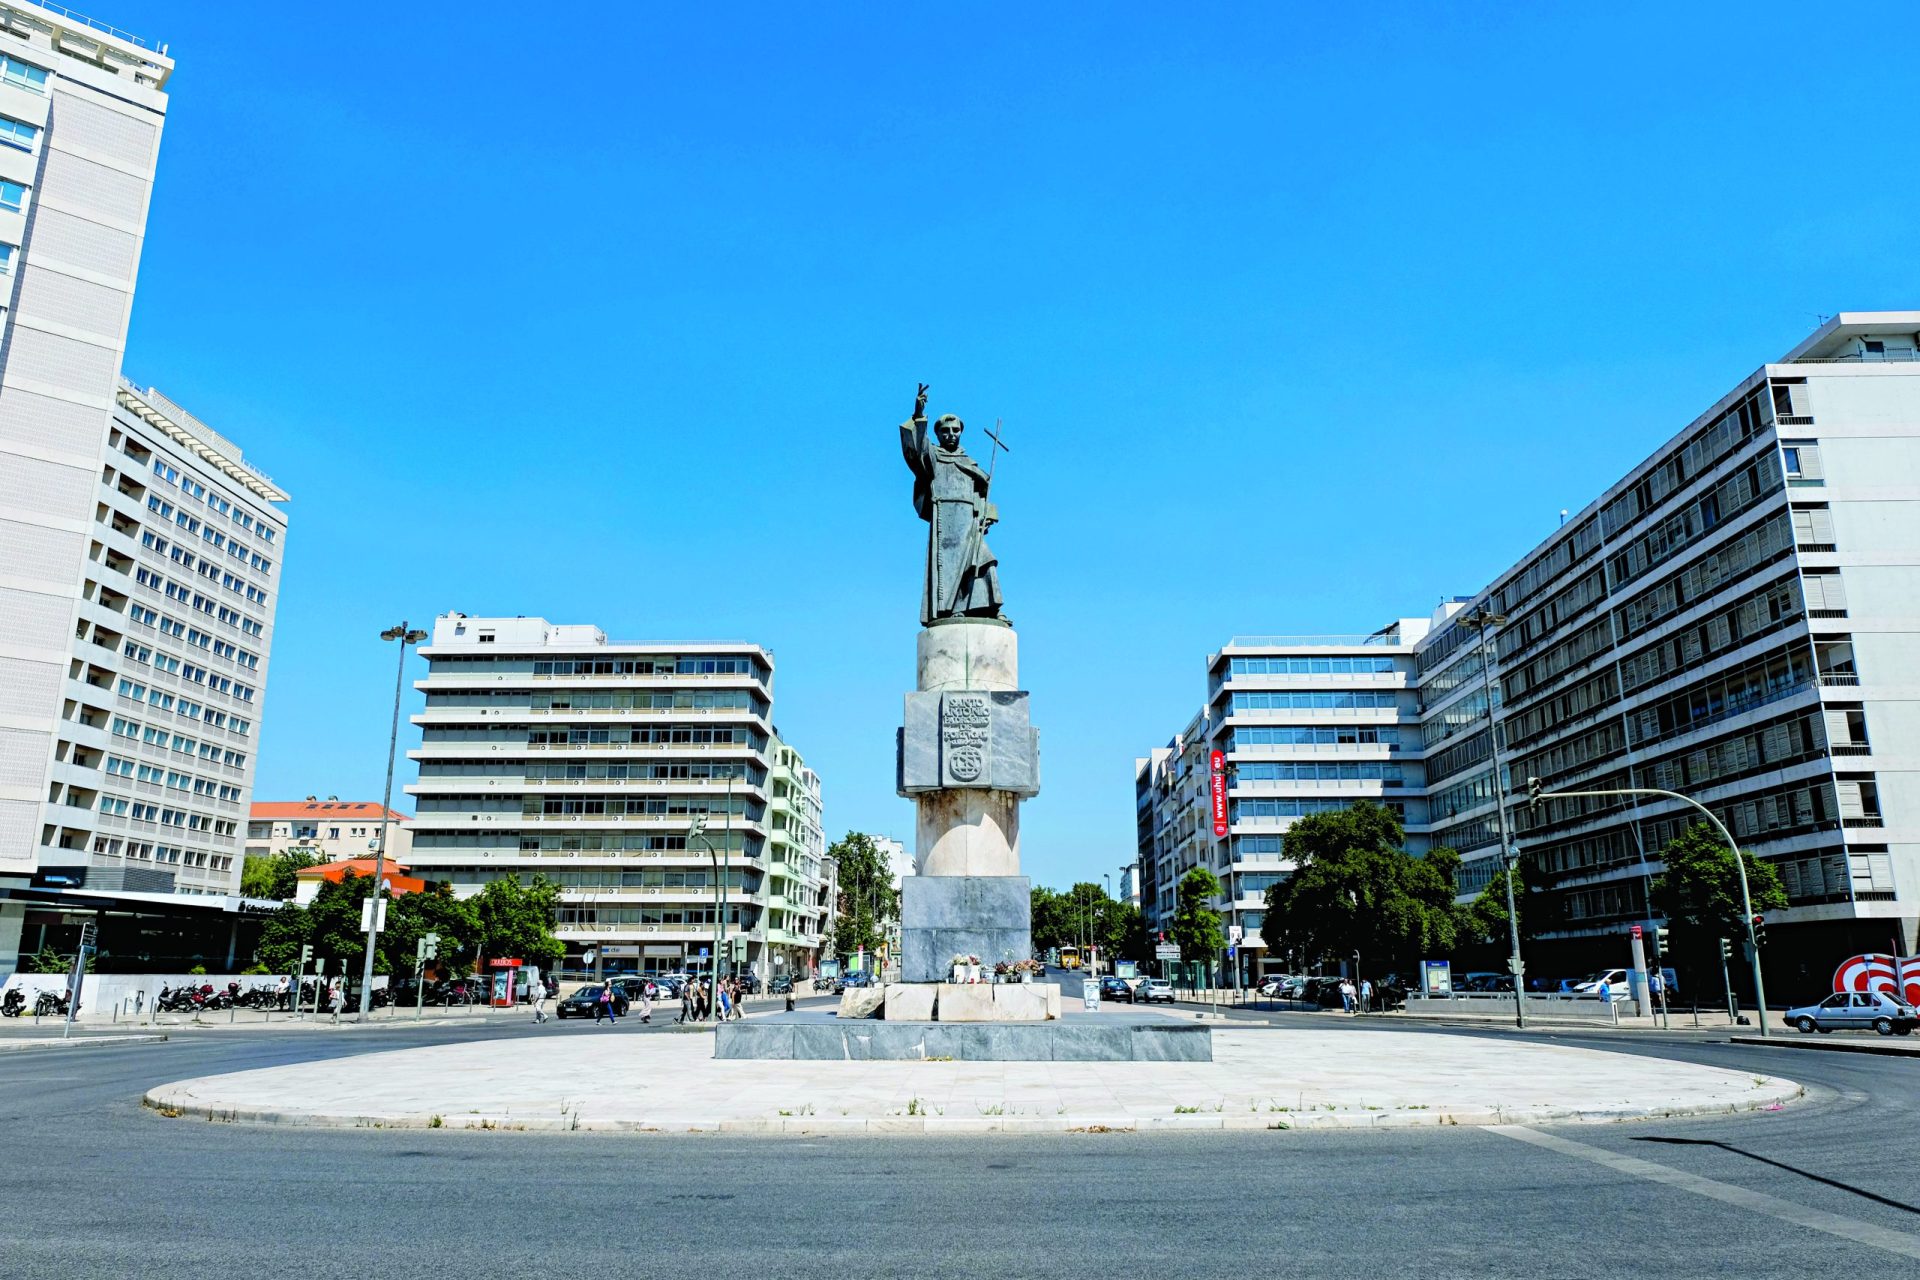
x: 966, y: 722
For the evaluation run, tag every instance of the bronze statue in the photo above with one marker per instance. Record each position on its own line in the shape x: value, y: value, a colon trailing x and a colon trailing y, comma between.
x: 950, y: 492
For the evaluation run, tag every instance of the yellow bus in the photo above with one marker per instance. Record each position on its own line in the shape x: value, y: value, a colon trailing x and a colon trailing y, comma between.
x: 1069, y: 957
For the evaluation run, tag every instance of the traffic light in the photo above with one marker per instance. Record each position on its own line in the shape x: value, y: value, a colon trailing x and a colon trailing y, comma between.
x: 432, y: 944
x: 1534, y: 787
x: 1660, y: 940
x: 1726, y: 950
x: 306, y: 957
x: 1759, y: 930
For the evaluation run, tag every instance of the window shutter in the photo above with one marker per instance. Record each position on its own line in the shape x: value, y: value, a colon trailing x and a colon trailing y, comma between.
x: 1810, y: 462
x: 1822, y: 525
x: 1848, y: 794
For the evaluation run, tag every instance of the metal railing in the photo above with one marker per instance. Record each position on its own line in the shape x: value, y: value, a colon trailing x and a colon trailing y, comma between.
x: 92, y: 24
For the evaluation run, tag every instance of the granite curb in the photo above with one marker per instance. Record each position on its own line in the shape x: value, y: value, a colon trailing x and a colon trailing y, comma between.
x: 82, y: 1042
x: 1878, y: 1047
x: 176, y: 1100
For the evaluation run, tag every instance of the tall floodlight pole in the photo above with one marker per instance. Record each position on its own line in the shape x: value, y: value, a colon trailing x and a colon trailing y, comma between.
x: 1480, y: 620
x: 405, y: 637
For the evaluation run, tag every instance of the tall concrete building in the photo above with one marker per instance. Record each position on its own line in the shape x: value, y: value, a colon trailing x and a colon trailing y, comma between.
x: 138, y: 548
x: 549, y: 750
x: 1733, y: 620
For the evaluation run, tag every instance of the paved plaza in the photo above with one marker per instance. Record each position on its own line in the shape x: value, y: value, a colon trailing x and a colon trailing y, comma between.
x: 1259, y: 1079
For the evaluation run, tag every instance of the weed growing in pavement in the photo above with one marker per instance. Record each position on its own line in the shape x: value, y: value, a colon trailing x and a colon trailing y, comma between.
x: 1186, y: 1111
x: 436, y: 1122
x: 997, y: 1109
x: 1279, y: 1124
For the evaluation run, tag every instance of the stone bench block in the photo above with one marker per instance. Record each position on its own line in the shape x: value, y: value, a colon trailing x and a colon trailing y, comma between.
x: 909, y: 1002
x: 862, y: 1002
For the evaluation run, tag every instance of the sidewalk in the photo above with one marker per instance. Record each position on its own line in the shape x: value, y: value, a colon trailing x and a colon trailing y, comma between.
x: 1258, y: 1080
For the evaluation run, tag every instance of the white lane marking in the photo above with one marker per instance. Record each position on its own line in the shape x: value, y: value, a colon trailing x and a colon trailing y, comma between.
x: 1800, y: 1215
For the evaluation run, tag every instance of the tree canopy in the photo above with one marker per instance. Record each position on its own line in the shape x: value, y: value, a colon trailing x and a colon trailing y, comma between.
x: 1355, y: 888
x: 504, y: 920
x: 867, y: 899
x: 1087, y: 913
x: 1700, y: 889
x: 272, y: 875
x: 1196, y: 925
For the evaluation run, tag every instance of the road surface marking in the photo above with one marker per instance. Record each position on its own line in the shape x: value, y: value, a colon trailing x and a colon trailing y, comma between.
x: 1834, y: 1224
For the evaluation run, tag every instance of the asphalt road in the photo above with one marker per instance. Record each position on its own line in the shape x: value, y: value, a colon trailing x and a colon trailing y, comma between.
x: 95, y: 1186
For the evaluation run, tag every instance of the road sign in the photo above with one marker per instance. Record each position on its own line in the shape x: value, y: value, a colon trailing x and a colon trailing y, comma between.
x: 1166, y: 951
x: 366, y: 915
x: 1235, y: 933
x: 1636, y: 931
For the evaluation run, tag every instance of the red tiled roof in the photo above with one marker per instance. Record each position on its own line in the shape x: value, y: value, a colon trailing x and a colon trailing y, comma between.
x: 269, y: 809
x: 397, y: 881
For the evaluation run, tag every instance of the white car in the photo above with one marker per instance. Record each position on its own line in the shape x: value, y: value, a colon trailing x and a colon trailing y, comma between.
x: 1617, y: 986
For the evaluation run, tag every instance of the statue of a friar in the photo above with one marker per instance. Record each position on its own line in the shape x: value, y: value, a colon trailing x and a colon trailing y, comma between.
x: 950, y: 494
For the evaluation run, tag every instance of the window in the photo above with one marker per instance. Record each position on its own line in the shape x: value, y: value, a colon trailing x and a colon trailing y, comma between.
x: 1813, y: 528
x: 1801, y: 461
x: 24, y: 74
x: 17, y: 133
x: 6, y: 259
x: 13, y: 197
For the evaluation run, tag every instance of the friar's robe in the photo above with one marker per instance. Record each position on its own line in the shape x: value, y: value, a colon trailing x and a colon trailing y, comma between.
x: 950, y: 494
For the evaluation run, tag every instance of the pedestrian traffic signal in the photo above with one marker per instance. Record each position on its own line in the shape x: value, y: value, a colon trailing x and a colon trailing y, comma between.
x: 431, y: 943
x: 1534, y: 786
x: 1759, y: 930
x: 1660, y: 936
x: 306, y: 955
x: 1726, y: 949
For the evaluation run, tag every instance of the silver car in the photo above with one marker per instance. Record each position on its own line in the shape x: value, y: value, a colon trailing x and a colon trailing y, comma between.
x: 1855, y: 1011
x: 1147, y: 990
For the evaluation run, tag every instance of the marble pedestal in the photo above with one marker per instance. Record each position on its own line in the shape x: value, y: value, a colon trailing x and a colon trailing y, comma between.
x: 945, y: 916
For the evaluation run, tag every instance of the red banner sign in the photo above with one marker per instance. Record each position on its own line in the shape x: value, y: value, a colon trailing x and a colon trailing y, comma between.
x: 1218, y: 763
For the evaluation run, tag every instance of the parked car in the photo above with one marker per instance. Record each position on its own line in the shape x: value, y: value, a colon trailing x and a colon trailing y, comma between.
x: 782, y: 985
x: 749, y: 982
x: 1855, y: 1011
x: 1112, y: 988
x: 581, y: 1003
x: 1274, y: 985
x: 1148, y: 990
x: 632, y: 985
x: 858, y: 978
x: 1323, y: 991
x: 1617, y: 986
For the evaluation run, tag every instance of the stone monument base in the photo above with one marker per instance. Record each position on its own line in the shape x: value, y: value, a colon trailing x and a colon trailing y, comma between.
x: 945, y: 916
x: 1101, y: 1040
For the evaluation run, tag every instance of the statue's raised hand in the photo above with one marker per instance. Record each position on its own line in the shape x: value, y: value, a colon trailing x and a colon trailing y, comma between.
x: 920, y: 402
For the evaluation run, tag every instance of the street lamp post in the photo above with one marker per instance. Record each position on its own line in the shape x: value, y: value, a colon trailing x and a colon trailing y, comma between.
x: 1535, y: 795
x: 697, y: 830
x: 405, y: 637
x: 1480, y: 620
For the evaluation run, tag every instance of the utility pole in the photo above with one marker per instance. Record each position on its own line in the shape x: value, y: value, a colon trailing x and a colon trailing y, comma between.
x: 1480, y: 620
x: 405, y: 637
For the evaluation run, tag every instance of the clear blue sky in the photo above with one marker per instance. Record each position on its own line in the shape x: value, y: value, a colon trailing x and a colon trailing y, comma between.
x: 1299, y: 317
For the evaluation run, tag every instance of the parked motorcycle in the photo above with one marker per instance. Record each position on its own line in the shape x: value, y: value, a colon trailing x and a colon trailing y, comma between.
x: 51, y: 1004
x: 13, y: 1003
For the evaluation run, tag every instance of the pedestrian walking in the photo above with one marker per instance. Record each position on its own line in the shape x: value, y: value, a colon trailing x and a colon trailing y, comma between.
x: 722, y: 1006
x: 605, y: 1005
x: 1346, y: 994
x: 281, y: 989
x: 646, y: 1005
x: 539, y: 994
x: 705, y: 1001
x: 686, y: 1003
x: 1366, y: 995
x: 1605, y: 992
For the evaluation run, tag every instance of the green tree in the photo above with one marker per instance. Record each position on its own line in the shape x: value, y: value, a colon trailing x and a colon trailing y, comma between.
x: 868, y: 899
x: 412, y: 916
x: 1050, y: 924
x: 1700, y: 889
x: 512, y: 921
x: 334, y: 925
x: 1196, y: 925
x: 1485, y: 918
x: 282, y: 936
x: 1356, y: 889
x: 272, y: 875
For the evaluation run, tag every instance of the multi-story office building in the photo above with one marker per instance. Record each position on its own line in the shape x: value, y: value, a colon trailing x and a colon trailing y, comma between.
x: 1732, y: 620
x: 548, y: 750
x: 1301, y: 724
x: 332, y: 829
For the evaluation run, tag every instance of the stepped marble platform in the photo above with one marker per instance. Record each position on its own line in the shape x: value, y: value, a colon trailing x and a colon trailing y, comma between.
x: 1074, y: 1037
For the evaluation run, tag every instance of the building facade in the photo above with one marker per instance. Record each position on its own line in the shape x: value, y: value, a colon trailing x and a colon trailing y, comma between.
x: 139, y: 549
x: 332, y: 830
x: 549, y: 750
x: 1732, y: 620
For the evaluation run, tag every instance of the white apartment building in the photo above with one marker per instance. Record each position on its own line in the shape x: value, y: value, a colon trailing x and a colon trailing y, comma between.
x: 549, y: 750
x: 138, y: 548
x: 332, y: 830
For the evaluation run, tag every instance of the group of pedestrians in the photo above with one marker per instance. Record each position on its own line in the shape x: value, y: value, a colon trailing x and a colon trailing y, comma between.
x: 700, y: 1001
x: 1356, y: 999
